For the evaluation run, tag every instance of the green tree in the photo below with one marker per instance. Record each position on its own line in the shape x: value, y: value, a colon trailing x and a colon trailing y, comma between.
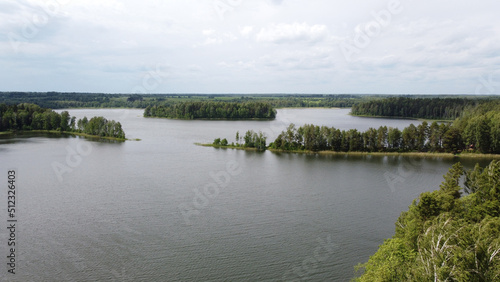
x: 409, y: 137
x: 389, y: 262
x: 394, y: 138
x: 224, y: 142
x: 434, y: 137
x: 477, y: 133
x: 249, y: 138
x: 445, y: 236
x: 452, y: 140
x: 495, y: 132
x: 422, y: 135
x: 65, y: 121
x: 382, y: 134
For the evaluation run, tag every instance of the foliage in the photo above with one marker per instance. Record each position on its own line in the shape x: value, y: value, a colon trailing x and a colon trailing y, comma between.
x: 213, y: 110
x: 33, y: 117
x: 434, y: 108
x: 477, y: 131
x: 61, y: 100
x: 255, y: 140
x: 99, y: 126
x: 315, y: 138
x: 251, y: 140
x: 445, y: 236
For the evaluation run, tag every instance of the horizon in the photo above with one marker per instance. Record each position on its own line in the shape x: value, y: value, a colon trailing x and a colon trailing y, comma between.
x: 250, y: 94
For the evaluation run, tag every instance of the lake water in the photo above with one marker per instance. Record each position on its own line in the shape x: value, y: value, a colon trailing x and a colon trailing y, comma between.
x: 164, y: 209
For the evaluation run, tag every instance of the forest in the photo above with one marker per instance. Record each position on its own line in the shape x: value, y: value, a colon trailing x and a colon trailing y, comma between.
x: 424, y: 108
x: 451, y: 234
x: 213, y: 110
x: 65, y: 100
x: 27, y: 117
x: 478, y: 130
x: 423, y: 137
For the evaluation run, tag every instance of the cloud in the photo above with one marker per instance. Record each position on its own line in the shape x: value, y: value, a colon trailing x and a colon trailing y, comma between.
x: 208, y: 32
x: 259, y: 46
x: 292, y: 33
x: 246, y: 30
x: 277, y: 2
x: 315, y: 58
x: 213, y: 37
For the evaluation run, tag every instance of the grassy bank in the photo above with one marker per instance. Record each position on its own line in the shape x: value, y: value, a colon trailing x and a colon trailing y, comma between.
x: 68, y: 132
x: 405, y: 154
x: 222, y: 119
x: 404, y: 118
x: 227, y: 147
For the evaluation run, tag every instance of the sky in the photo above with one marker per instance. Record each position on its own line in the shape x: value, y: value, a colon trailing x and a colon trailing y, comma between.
x: 251, y: 46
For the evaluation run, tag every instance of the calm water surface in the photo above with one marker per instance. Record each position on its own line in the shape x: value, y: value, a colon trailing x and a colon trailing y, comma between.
x: 163, y: 209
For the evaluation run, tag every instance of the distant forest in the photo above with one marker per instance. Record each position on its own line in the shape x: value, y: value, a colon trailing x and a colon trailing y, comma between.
x: 33, y: 117
x: 63, y: 100
x: 425, y: 108
x: 213, y: 110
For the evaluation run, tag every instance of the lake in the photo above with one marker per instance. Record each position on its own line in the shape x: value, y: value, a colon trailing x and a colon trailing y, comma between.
x: 164, y: 209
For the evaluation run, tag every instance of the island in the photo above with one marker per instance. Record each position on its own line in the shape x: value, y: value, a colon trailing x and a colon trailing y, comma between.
x: 33, y: 118
x: 251, y: 141
x: 213, y: 110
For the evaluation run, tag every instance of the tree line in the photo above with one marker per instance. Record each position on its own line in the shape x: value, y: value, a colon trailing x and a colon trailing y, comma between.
x: 445, y: 235
x: 33, y: 117
x: 422, y: 138
x: 375, y: 105
x: 251, y: 139
x: 213, y: 110
x: 64, y: 100
x: 426, y: 108
x: 305, y: 101
x: 478, y: 130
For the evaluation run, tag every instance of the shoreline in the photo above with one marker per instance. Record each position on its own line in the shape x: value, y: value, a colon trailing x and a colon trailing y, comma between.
x: 226, y: 147
x: 328, y: 108
x: 217, y: 119
x: 404, y: 118
x: 69, y: 133
x: 403, y: 154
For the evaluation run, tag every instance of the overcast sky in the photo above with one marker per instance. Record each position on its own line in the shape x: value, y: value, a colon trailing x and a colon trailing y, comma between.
x: 251, y: 46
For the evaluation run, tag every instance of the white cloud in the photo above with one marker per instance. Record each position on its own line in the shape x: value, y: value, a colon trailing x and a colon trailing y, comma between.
x: 208, y: 32
x: 259, y: 46
x: 246, y: 30
x: 292, y: 33
x: 213, y: 37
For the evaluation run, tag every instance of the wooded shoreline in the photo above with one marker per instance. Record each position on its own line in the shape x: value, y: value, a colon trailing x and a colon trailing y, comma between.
x: 56, y: 132
x: 404, y: 154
